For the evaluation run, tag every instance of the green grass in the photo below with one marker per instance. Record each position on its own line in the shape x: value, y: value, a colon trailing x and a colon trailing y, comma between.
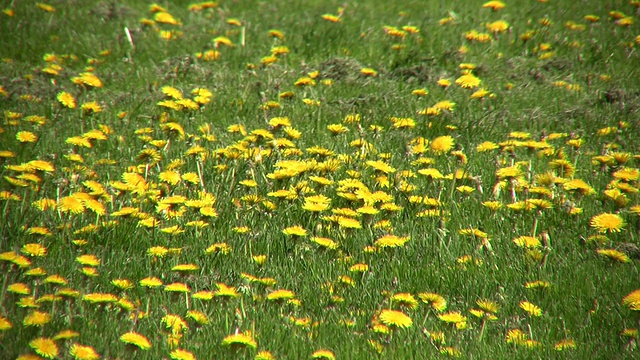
x: 584, y: 87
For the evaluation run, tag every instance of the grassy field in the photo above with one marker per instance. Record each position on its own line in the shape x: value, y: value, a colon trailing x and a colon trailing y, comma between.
x: 314, y: 179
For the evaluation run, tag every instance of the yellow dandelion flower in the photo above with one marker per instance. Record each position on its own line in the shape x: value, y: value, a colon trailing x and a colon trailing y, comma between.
x: 5, y: 324
x: 325, y: 242
x: 390, y: 241
x: 627, y: 174
x: 70, y: 204
x: 468, y: 81
x: 197, y: 316
x: 222, y: 40
x: 405, y: 299
x: 632, y: 300
x: 442, y: 144
x: 614, y: 255
x: 91, y: 107
x: 226, y: 291
x: 420, y: 92
x: 55, y: 279
x: 66, y: 335
x: 34, y: 250
x: 45, y: 347
x: 368, y: 72
x: 83, y: 352
x: 165, y: 18
x: 180, y: 354
x: 90, y: 79
x: 67, y: 99
x: 454, y: 317
x: 26, y: 137
x: 304, y: 81
x: 381, y: 166
x: 488, y: 306
x: 99, y: 298
x: 530, y: 308
x: 498, y: 26
x: 240, y: 339
x: 607, y: 222
x: 133, y: 338
x: 494, y: 5
x: 564, y: 345
x: 122, y: 284
x: 264, y: 355
x: 222, y: 248
x: 323, y: 354
x: 177, y: 287
x: 19, y: 288
x: 36, y: 318
x: 295, y: 231
x: 331, y: 18
x: 529, y: 242
x: 278, y: 295
x: 88, y: 260
x: 436, y: 301
x: 151, y: 282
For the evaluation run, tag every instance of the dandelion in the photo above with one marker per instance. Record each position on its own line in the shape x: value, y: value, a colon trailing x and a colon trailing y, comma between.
x: 99, y: 298
x: 564, y: 345
x: 325, y: 242
x: 529, y: 242
x: 177, y: 287
x: 67, y: 100
x: 331, y: 18
x: 34, y: 250
x: 494, y: 5
x: 26, y: 137
x: 498, y: 26
x: 36, y: 272
x: 278, y: 295
x: 632, y: 300
x: 368, y: 72
x: 5, y: 324
x: 88, y: 260
x: 197, y: 316
x: 203, y: 295
x: 180, y: 354
x: 442, y: 144
x: 133, y: 338
x: 241, y: 339
x: 122, y: 284
x: 66, y: 335
x: 36, y: 318
x: 295, y: 231
x: 323, y: 354
x: 614, y: 255
x: 45, y: 347
x: 264, y: 355
x: 359, y: 268
x: 226, y: 291
x: 405, y: 299
x: 454, y: 317
x: 395, y: 318
x: 391, y: 241
x: 165, y: 18
x: 530, y: 308
x: 468, y: 81
x: 19, y: 288
x: 83, y: 352
x: 607, y: 222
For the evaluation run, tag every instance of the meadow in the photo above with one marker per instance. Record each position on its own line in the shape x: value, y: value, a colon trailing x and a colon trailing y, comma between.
x: 320, y: 180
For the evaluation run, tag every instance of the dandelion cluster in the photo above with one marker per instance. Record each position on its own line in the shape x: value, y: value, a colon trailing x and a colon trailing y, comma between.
x: 260, y: 195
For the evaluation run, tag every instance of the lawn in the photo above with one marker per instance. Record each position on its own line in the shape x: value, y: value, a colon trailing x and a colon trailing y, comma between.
x: 320, y: 179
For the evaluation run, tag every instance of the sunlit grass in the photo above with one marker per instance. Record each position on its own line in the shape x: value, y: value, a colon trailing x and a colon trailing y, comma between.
x: 355, y: 181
